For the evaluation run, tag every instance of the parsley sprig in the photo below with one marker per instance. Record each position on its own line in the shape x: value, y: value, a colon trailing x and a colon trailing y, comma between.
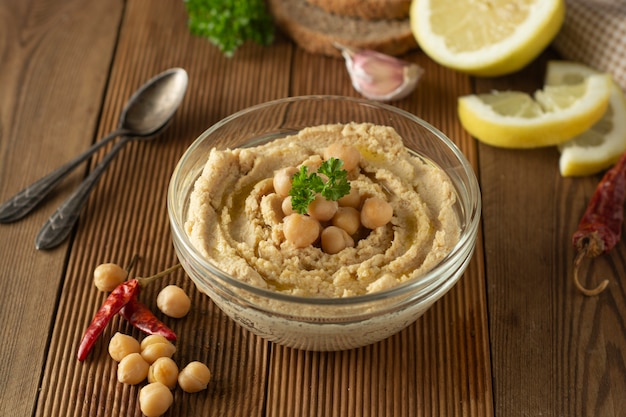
x: 229, y: 23
x: 305, y: 186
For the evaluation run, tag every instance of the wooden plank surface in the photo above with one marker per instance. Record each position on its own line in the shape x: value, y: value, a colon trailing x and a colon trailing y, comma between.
x: 512, y: 338
x: 54, y: 65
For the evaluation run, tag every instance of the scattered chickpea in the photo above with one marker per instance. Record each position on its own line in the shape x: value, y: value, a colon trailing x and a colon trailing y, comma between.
x: 301, y: 230
x: 155, y: 351
x: 156, y: 346
x: 194, y: 377
x: 122, y: 345
x: 375, y: 212
x: 132, y: 369
x: 155, y: 399
x: 151, y: 339
x: 165, y: 371
x: 173, y: 301
x: 108, y: 276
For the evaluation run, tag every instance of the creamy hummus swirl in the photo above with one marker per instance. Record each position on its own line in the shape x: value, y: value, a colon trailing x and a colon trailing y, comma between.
x: 235, y: 217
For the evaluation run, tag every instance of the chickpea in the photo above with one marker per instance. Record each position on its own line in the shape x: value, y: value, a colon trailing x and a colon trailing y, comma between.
x: 155, y: 399
x: 287, y: 207
x: 165, y: 371
x: 108, y: 276
x: 352, y: 199
x: 313, y: 163
x: 151, y: 339
x: 347, y: 153
x: 194, y: 377
x: 122, y: 345
x: 154, y: 351
x: 322, y: 209
x: 335, y: 239
x: 301, y: 230
x: 173, y: 301
x: 375, y: 212
x: 132, y: 369
x: 282, y: 180
x: 348, y: 218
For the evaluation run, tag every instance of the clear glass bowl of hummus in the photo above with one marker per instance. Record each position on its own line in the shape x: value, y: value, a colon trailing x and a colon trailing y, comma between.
x: 310, y: 321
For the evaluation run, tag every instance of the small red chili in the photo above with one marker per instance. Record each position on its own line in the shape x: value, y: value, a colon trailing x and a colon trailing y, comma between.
x: 141, y: 317
x: 600, y: 228
x: 119, y: 297
x: 122, y: 295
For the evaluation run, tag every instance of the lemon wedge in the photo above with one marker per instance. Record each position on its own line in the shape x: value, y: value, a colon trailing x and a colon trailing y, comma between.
x: 556, y: 114
x: 485, y: 37
x: 599, y: 147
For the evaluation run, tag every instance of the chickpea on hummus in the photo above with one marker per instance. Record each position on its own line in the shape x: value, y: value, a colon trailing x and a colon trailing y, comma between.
x: 238, y: 216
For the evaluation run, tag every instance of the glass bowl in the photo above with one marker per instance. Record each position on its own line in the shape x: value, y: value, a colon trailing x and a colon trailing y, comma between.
x: 324, y: 324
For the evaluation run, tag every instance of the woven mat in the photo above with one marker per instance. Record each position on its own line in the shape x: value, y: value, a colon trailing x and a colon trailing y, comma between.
x: 594, y: 33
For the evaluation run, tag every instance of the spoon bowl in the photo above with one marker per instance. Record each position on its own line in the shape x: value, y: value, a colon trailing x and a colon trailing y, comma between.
x: 152, y: 106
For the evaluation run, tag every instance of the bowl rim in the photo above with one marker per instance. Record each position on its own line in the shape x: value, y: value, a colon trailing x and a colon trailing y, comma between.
x: 470, y: 231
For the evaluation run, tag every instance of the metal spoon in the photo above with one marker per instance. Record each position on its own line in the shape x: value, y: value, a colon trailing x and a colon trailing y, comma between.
x: 147, y: 113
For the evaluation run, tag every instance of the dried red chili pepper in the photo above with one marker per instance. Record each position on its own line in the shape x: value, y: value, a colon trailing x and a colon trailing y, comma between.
x: 600, y: 228
x: 141, y: 317
x: 119, y: 297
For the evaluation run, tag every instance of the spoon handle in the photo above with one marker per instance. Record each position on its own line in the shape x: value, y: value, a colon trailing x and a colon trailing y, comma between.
x: 26, y: 200
x: 61, y: 222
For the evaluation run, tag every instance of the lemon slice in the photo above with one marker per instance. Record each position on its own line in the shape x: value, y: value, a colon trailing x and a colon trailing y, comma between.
x: 599, y: 147
x: 554, y: 115
x: 485, y: 37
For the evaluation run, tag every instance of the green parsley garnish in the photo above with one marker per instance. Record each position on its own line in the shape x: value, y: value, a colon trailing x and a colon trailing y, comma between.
x: 305, y: 186
x: 229, y: 23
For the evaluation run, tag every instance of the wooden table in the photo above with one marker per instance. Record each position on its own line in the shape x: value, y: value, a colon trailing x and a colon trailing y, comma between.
x: 512, y: 338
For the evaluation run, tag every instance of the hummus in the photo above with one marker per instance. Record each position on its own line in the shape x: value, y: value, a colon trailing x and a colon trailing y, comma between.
x: 235, y: 217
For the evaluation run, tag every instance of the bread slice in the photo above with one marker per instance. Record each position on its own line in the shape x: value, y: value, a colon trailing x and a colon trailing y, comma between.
x: 316, y: 31
x: 366, y: 9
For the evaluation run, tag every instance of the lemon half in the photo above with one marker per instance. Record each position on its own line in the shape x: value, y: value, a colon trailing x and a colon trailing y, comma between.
x: 485, y: 37
x: 599, y: 147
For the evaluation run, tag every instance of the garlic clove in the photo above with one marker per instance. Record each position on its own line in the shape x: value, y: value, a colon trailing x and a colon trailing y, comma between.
x: 378, y: 76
